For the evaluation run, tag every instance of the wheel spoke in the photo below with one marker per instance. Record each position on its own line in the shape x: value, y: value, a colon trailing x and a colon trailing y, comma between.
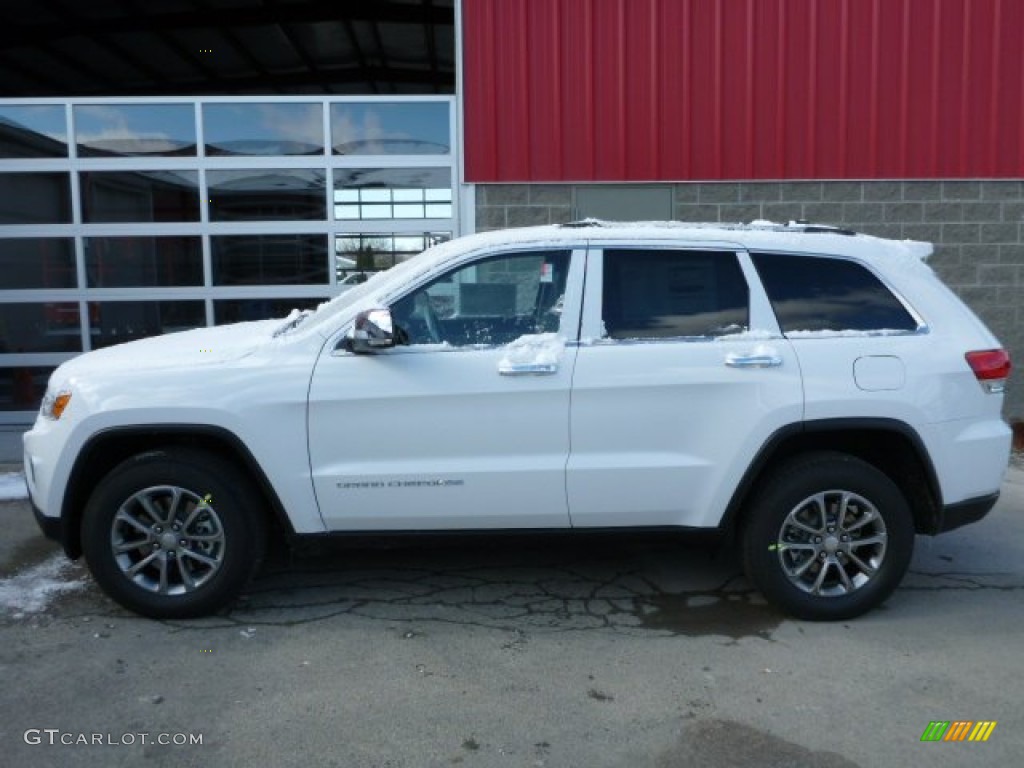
x: 147, y: 504
x: 845, y: 577
x: 798, y: 545
x: 844, y: 507
x: 162, y: 561
x: 200, y: 557
x: 124, y: 517
x: 802, y: 568
x: 133, y: 571
x: 877, y: 539
x: 816, y: 588
x: 172, y: 510
x: 802, y: 526
x: 128, y: 546
x: 205, y: 536
x: 819, y: 500
x: 867, y: 517
x: 186, y: 576
x: 866, y: 569
x: 197, y: 510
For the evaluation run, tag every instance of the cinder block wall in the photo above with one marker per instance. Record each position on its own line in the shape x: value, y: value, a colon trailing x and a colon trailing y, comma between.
x: 977, y: 228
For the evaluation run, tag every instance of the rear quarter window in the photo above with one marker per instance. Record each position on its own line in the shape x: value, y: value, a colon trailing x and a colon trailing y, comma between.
x: 816, y: 293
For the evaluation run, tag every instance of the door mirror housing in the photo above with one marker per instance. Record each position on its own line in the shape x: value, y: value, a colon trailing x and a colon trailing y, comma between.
x: 373, y: 330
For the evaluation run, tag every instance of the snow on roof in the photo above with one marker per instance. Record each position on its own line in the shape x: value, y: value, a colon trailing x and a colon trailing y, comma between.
x: 797, y: 236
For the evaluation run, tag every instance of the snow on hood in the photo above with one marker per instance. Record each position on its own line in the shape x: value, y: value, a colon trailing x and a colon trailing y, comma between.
x: 198, y: 347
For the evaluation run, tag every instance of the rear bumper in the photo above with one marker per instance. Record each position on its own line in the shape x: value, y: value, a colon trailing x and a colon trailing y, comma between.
x: 953, y: 516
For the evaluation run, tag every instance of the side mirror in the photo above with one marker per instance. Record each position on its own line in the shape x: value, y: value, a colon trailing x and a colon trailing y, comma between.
x: 373, y: 330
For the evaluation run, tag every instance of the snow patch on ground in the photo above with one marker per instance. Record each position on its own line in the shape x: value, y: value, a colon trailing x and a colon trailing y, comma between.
x: 12, y: 486
x: 32, y: 590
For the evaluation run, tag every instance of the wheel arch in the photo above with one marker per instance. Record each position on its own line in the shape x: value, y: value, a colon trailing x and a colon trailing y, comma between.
x: 890, y: 445
x: 108, y: 448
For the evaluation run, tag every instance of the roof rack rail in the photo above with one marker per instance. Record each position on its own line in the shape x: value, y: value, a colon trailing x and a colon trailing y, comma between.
x: 581, y: 223
x: 819, y: 229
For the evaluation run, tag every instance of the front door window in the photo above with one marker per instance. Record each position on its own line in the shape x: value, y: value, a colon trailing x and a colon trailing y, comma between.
x: 490, y: 302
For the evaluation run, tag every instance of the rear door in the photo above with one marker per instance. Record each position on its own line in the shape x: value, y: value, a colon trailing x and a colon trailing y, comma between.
x: 684, y: 377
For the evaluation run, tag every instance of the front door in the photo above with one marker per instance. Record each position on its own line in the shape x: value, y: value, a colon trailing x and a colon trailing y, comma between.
x: 466, y: 425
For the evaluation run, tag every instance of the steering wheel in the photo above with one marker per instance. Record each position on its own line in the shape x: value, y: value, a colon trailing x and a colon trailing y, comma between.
x: 429, y: 317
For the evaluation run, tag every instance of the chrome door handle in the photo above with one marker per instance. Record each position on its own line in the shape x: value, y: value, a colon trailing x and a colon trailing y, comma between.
x: 761, y: 360
x: 527, y: 369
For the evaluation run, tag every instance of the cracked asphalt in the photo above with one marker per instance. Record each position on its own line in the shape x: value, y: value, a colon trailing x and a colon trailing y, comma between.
x: 528, y: 651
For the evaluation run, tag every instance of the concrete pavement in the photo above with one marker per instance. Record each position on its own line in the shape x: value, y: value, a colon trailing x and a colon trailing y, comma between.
x: 521, y: 652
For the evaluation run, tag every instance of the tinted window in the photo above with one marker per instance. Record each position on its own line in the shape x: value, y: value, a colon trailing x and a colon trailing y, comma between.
x: 269, y: 259
x: 243, y: 310
x: 35, y: 198
x: 142, y: 196
x: 811, y: 293
x: 492, y: 301
x: 103, y: 130
x: 52, y: 326
x: 33, y: 131
x: 22, y: 387
x: 273, y: 194
x: 381, y: 250
x: 665, y: 294
x: 393, y: 193
x: 119, y: 262
x: 371, y: 128
x: 263, y: 129
x: 115, y: 322
x: 37, y: 262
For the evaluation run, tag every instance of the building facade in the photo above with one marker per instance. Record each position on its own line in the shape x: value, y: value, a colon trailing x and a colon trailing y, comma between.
x: 166, y: 168
x: 900, y: 118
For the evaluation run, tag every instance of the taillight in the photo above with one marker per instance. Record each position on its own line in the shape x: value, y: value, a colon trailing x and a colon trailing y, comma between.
x: 991, y: 367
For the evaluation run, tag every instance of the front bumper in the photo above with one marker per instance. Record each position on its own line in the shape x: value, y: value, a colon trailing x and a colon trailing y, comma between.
x: 52, y: 527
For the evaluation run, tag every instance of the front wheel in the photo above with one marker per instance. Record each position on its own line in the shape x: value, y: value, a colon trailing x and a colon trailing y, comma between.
x: 828, y: 537
x: 173, y: 533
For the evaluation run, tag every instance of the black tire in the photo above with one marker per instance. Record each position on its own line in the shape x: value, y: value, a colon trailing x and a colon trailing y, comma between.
x: 807, y: 562
x: 148, y: 565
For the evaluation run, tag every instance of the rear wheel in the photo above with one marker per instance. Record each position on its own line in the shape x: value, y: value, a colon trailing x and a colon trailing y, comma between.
x: 828, y: 537
x: 173, y: 533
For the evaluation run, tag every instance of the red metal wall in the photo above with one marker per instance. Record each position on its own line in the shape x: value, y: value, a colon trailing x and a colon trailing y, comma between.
x: 616, y: 90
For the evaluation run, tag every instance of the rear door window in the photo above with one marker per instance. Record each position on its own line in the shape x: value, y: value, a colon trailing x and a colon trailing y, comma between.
x: 814, y: 293
x: 656, y: 294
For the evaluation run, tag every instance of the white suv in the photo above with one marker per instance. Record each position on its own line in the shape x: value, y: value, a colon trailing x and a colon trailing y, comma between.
x: 819, y: 394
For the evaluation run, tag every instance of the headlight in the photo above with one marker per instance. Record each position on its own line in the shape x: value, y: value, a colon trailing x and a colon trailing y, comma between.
x: 54, y: 404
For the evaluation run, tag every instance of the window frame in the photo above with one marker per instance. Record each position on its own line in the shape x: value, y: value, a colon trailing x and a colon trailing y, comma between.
x: 759, y: 315
x: 569, y: 323
x: 922, y: 326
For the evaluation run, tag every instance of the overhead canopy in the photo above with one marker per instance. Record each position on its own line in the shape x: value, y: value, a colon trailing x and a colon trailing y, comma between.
x: 104, y: 48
